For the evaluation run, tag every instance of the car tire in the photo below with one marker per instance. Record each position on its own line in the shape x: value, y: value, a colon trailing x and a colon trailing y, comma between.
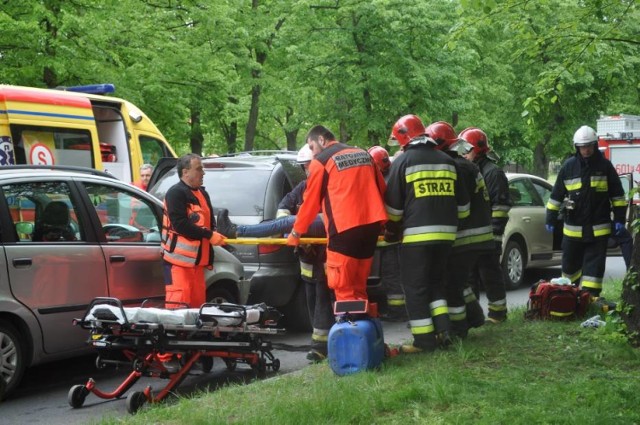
x: 13, y: 362
x: 218, y: 294
x: 296, y: 312
x: 513, y: 264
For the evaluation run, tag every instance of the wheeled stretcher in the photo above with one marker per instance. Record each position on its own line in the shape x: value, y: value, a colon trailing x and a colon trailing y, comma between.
x: 166, y: 343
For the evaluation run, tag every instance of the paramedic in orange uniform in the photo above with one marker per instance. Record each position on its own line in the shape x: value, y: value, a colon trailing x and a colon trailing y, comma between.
x: 188, y: 233
x: 346, y: 185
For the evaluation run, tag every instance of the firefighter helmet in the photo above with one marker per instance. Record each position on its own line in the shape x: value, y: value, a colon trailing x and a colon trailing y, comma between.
x: 443, y: 134
x: 380, y: 157
x: 406, y: 129
x: 477, y: 138
x: 585, y: 135
x: 304, y: 154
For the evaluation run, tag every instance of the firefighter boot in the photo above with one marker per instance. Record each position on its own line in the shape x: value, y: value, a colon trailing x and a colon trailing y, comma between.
x: 318, y: 351
x: 422, y: 343
x: 497, y: 312
x: 475, y: 315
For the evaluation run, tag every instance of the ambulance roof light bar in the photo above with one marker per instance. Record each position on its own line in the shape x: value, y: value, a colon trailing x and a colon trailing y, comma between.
x: 92, y: 88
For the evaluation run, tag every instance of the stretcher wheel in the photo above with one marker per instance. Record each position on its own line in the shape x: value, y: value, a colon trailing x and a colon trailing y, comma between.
x: 275, y: 365
x: 77, y: 395
x: 135, y: 401
x: 207, y: 363
x: 261, y: 368
x: 99, y: 363
x: 231, y: 364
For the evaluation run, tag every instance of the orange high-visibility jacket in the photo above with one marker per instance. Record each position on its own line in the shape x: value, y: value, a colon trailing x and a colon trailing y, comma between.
x: 345, y: 183
x: 187, y: 225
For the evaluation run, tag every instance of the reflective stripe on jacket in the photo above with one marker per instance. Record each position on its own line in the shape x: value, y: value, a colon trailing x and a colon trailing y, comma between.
x: 346, y: 186
x: 593, y: 189
x: 424, y: 198
x: 474, y: 232
x: 195, y: 217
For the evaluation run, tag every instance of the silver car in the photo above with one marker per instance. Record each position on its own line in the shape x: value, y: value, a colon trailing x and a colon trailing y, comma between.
x: 69, y: 235
x: 526, y: 243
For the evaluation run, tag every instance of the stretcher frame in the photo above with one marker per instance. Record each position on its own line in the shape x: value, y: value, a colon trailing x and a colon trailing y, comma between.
x: 144, y: 344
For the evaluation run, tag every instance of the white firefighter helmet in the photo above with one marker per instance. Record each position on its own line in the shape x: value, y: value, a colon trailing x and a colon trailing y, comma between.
x: 585, y: 135
x: 304, y: 154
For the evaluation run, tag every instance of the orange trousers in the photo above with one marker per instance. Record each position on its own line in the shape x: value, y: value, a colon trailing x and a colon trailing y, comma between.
x: 187, y: 287
x: 347, y: 276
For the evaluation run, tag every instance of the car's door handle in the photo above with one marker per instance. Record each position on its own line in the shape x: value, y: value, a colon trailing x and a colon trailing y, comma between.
x: 22, y: 262
x: 526, y: 219
x: 117, y: 258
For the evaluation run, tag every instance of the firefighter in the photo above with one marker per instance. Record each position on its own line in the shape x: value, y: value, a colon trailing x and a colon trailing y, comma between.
x: 487, y: 269
x: 188, y: 235
x: 395, y: 309
x: 591, y: 190
x: 424, y: 203
x: 474, y: 233
x: 347, y: 187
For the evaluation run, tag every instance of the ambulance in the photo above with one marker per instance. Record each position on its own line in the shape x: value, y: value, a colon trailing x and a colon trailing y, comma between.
x: 79, y: 126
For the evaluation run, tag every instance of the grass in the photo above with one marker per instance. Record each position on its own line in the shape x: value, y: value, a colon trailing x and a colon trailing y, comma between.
x: 519, y: 372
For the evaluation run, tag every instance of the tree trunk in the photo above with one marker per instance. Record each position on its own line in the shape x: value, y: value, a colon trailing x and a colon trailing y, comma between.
x: 291, y: 139
x: 540, y: 160
x: 631, y: 296
x: 252, y: 123
x: 196, y: 138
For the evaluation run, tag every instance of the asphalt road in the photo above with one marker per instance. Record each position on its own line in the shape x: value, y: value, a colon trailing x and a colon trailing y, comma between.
x: 42, y: 397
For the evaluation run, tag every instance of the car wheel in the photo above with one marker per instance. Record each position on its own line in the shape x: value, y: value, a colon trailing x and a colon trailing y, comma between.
x: 296, y: 312
x: 12, y: 358
x: 218, y: 294
x: 513, y: 264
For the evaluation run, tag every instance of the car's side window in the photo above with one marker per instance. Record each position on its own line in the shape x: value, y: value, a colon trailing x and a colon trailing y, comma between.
x: 522, y: 194
x: 124, y: 216
x: 43, y: 212
x: 543, y: 191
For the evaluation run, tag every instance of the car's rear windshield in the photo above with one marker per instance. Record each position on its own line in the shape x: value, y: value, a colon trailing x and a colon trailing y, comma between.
x: 241, y: 191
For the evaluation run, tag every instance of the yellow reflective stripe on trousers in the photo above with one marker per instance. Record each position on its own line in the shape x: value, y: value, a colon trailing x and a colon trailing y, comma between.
x: 591, y: 282
x: 457, y: 313
x: 421, y: 326
x: 599, y: 183
x: 306, y: 269
x: 438, y: 308
x: 469, y: 295
x: 573, y: 277
x: 572, y: 231
x: 500, y: 305
x: 395, y: 300
x: 573, y: 184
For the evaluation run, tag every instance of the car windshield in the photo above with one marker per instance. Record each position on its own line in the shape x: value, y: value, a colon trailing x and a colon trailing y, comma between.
x: 228, y: 188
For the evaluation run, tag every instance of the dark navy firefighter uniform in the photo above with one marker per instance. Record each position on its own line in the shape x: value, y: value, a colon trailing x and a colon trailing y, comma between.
x: 424, y: 202
x: 592, y: 189
x: 488, y: 269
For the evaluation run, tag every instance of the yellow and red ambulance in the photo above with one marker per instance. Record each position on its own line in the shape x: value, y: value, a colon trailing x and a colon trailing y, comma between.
x: 79, y: 126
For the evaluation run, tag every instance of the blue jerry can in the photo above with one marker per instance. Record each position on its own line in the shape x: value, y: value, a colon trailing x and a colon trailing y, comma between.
x: 355, y: 346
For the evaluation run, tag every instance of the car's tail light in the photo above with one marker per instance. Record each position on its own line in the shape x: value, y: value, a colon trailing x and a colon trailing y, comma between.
x: 268, y: 249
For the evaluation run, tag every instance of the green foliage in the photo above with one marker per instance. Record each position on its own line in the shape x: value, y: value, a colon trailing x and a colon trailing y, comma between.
x: 528, y: 73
